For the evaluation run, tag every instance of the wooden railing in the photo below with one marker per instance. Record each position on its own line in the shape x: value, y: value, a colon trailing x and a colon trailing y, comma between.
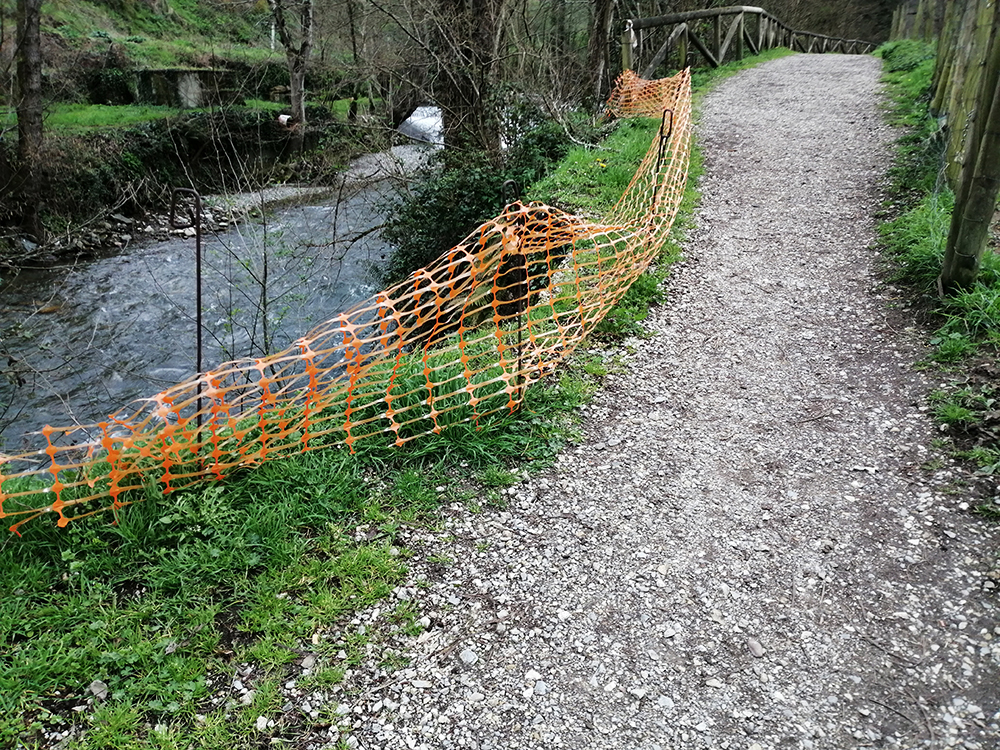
x: 750, y: 28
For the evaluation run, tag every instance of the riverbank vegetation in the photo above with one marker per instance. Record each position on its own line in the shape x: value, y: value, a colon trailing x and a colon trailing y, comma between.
x: 966, y: 323
x: 364, y: 63
x: 200, y: 617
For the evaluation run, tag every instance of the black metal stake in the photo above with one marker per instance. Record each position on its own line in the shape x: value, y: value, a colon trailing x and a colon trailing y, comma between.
x: 508, y: 193
x: 665, y: 132
x: 193, y: 220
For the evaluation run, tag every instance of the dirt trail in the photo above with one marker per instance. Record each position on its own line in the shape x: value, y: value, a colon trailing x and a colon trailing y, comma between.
x: 744, y: 552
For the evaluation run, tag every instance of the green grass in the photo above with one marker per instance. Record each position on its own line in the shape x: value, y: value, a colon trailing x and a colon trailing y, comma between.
x: 70, y: 117
x: 263, y: 569
x: 966, y: 335
x: 591, y: 180
x: 75, y: 118
x: 267, y: 569
x: 916, y: 240
x: 191, y: 29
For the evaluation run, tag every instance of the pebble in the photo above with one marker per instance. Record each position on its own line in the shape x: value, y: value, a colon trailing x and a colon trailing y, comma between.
x: 468, y: 657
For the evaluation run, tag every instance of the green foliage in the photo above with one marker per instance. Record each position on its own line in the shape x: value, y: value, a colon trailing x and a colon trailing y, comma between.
x: 111, y: 86
x: 440, y: 212
x: 592, y: 180
x: 161, y: 27
x: 462, y: 192
x: 76, y: 117
x: 952, y: 346
x: 917, y: 237
x: 964, y: 407
x: 625, y: 318
x: 905, y: 55
x: 918, y: 151
x: 986, y: 459
x: 161, y: 606
x: 913, y: 239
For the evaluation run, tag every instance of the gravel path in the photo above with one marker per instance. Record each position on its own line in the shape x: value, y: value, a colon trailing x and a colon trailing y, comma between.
x: 744, y: 552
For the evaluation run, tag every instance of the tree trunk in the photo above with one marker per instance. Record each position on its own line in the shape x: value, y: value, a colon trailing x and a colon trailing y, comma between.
x: 988, y: 64
x: 469, y: 38
x: 297, y: 48
x: 597, y: 50
x: 946, y: 50
x: 29, y: 116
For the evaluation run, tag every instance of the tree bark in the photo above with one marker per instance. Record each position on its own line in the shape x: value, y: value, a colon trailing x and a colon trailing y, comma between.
x: 469, y: 36
x: 965, y: 84
x: 297, y: 50
x: 29, y: 116
x: 597, y: 50
x: 976, y: 197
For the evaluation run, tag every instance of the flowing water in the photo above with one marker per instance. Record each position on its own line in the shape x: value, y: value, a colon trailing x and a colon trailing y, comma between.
x: 85, y: 339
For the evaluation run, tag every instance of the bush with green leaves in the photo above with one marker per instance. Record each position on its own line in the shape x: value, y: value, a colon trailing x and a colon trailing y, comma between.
x: 464, y: 190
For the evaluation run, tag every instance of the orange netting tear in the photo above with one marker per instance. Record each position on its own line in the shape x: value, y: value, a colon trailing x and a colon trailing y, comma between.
x: 458, y: 340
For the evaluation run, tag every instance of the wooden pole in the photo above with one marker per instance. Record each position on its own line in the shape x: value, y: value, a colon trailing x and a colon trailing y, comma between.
x: 946, y: 50
x: 717, y: 37
x: 976, y: 141
x: 661, y: 53
x: 740, y: 31
x: 734, y: 27
x: 918, y: 22
x: 706, y: 53
x: 682, y: 49
x: 965, y: 88
x: 989, y: 66
x: 628, y: 39
x: 970, y: 223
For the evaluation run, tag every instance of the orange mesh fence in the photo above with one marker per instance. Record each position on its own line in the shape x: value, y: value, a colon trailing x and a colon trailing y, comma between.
x: 455, y: 342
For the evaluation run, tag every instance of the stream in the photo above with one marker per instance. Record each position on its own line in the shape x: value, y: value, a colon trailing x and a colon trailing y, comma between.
x: 84, y: 339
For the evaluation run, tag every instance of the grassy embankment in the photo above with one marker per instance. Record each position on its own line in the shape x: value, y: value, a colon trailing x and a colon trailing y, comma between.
x: 106, y: 152
x: 123, y: 636
x: 966, y: 325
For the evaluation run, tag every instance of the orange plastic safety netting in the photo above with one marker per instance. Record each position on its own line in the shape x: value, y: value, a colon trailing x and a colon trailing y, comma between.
x: 458, y: 340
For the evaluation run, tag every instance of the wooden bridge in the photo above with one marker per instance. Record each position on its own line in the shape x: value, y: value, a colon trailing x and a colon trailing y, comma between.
x: 749, y: 28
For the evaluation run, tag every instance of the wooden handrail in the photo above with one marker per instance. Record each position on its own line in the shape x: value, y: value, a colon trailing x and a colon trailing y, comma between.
x: 770, y: 32
x: 692, y: 15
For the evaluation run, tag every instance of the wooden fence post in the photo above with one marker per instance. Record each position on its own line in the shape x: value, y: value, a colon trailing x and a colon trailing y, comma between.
x: 979, y: 181
x: 970, y: 223
x: 740, y: 30
x: 965, y: 85
x: 947, y: 48
x: 628, y: 40
x: 759, y: 34
x: 717, y: 37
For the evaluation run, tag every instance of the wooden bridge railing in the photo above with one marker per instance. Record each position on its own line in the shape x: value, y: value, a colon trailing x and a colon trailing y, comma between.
x: 749, y: 28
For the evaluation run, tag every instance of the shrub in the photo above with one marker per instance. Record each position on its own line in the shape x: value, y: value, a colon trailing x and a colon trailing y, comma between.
x: 460, y: 195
